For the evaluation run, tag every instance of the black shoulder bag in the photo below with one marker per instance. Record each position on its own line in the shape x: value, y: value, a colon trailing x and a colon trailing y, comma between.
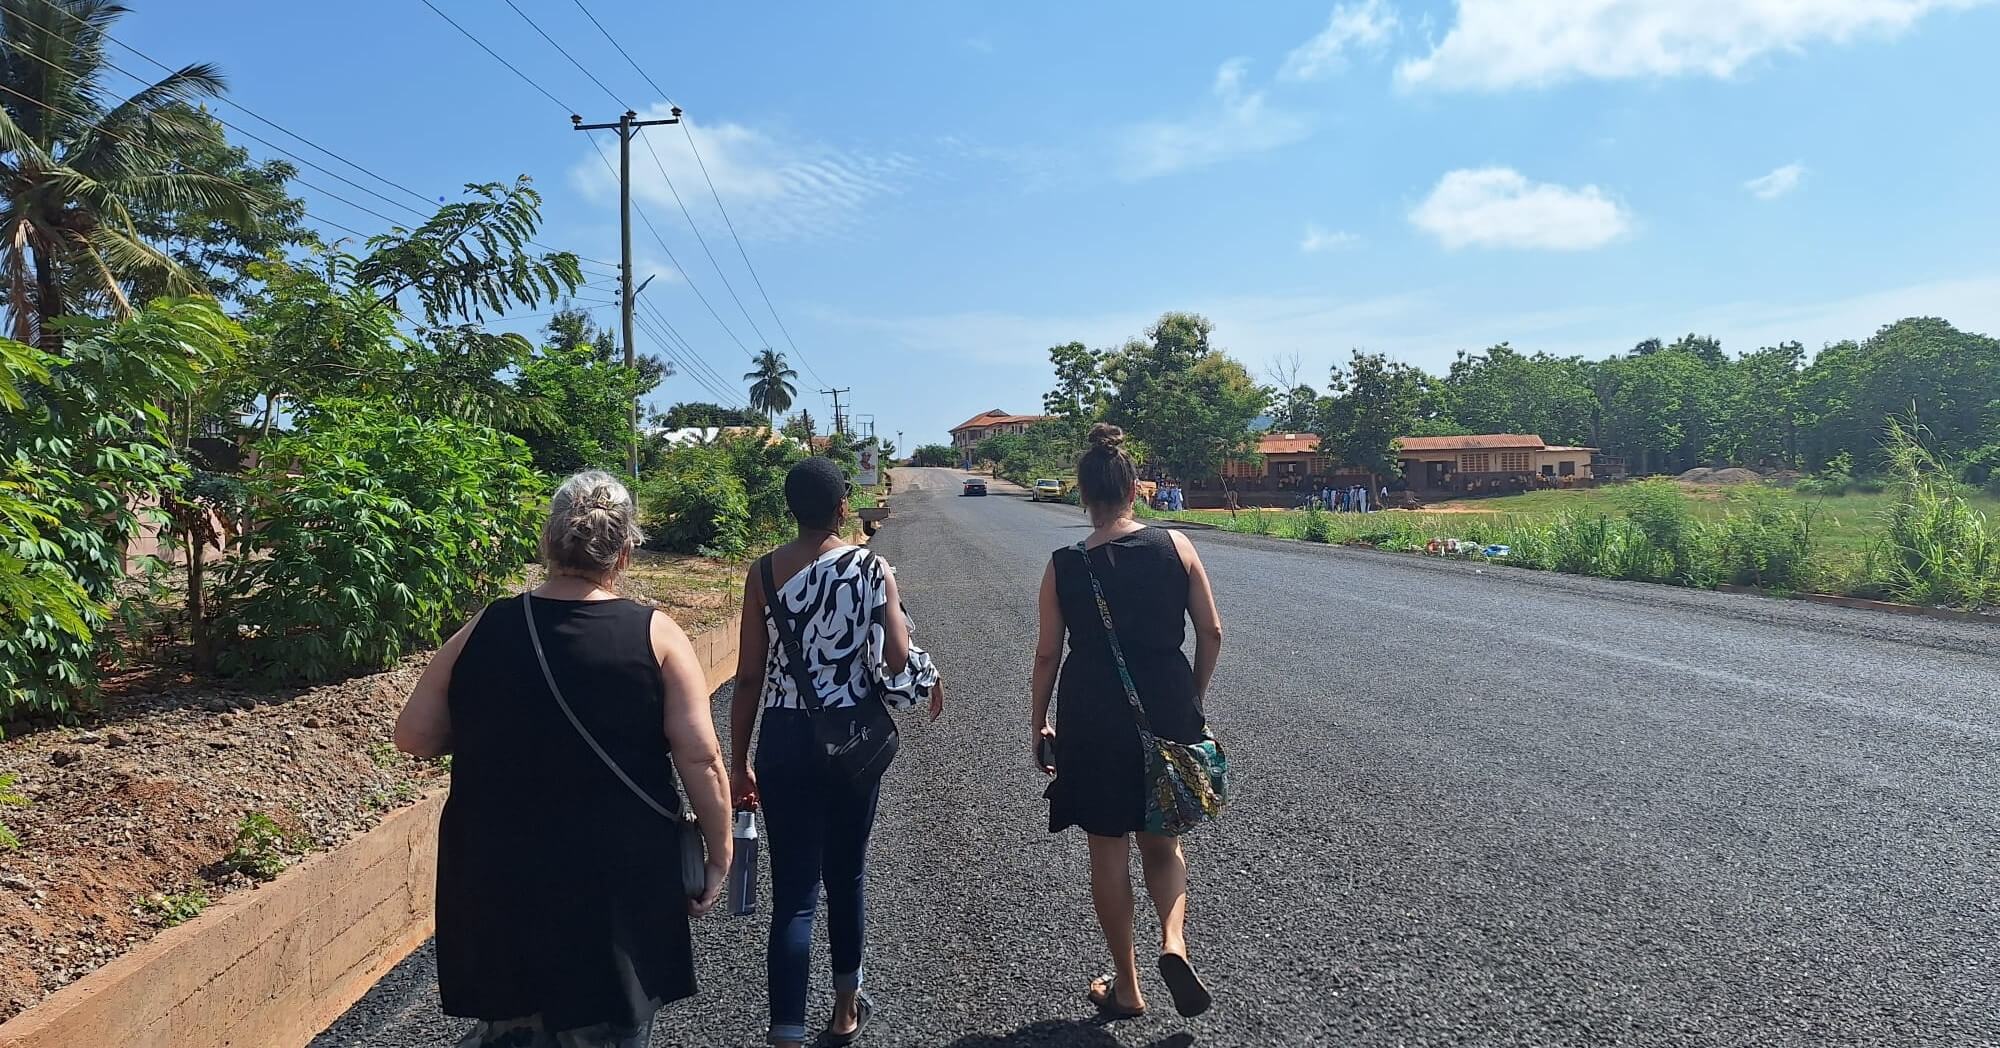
x: 693, y: 851
x: 859, y: 740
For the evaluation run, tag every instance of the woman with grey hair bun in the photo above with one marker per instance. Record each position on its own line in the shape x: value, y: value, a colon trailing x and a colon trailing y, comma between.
x: 562, y: 905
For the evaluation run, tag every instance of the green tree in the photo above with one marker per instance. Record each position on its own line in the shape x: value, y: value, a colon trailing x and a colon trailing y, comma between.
x: 218, y: 247
x: 1298, y: 410
x: 581, y: 394
x: 1759, y: 398
x: 934, y: 455
x: 1660, y: 409
x: 771, y: 386
x: 1081, y: 389
x: 1502, y: 390
x: 77, y: 164
x: 702, y: 415
x: 799, y: 427
x: 1921, y: 367
x: 1374, y: 401
x: 1187, y: 402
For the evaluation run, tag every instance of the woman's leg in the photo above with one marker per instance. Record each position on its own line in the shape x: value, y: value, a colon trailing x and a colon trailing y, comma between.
x: 793, y: 835
x: 1166, y: 881
x: 850, y: 816
x: 1111, y: 895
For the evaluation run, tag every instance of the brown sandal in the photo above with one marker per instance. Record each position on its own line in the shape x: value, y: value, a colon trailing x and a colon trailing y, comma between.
x: 1104, y: 994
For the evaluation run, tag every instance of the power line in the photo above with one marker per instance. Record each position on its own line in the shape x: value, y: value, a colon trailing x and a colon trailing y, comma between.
x: 565, y: 53
x: 698, y: 360
x: 677, y: 357
x: 530, y: 81
x: 682, y: 270
x: 428, y: 203
x: 687, y: 129
x: 703, y: 241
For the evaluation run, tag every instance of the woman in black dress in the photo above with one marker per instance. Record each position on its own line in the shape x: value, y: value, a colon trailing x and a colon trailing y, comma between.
x: 1154, y: 583
x: 562, y: 921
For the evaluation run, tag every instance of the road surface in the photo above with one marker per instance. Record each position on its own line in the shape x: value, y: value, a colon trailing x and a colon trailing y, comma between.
x: 1471, y: 808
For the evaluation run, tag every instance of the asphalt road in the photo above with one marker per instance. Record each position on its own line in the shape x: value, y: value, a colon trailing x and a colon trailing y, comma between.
x: 1470, y: 808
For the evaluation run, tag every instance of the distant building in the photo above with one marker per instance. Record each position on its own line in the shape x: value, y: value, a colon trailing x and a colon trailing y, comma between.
x: 1431, y: 465
x: 966, y: 435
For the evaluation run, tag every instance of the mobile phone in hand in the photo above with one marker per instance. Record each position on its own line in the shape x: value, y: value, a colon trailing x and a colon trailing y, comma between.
x: 1045, y: 751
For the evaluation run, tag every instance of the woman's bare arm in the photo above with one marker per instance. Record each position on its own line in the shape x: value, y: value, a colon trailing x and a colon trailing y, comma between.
x: 690, y: 729
x: 1048, y: 659
x: 423, y: 729
x: 1207, y: 620
x: 896, y: 625
x: 752, y: 650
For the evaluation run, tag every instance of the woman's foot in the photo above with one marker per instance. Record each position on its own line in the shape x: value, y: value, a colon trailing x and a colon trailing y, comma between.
x: 1104, y: 993
x: 1190, y: 994
x: 851, y: 1012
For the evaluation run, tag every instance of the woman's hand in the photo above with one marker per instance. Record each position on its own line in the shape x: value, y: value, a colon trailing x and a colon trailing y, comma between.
x: 743, y: 789
x: 711, y: 891
x: 1045, y: 736
x: 937, y: 699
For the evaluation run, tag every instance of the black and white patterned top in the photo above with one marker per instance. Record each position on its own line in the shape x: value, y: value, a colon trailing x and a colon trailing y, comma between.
x: 841, y: 604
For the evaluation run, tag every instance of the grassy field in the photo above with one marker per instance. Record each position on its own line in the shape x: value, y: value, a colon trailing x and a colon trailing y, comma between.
x: 1774, y: 537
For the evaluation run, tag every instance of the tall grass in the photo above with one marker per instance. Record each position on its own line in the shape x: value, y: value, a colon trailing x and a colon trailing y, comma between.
x: 1935, y: 547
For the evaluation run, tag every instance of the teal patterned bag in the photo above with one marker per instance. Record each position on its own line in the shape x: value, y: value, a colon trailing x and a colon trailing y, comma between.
x: 1187, y: 784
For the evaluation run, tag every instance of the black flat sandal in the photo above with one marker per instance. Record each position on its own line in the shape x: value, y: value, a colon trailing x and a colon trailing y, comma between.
x: 1191, y: 997
x: 1104, y: 994
x: 864, y: 1009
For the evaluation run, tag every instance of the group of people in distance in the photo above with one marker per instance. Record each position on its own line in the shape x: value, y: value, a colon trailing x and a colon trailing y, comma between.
x: 576, y: 718
x: 1351, y: 499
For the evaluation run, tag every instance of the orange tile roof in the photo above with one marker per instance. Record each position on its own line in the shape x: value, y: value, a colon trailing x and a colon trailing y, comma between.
x: 1473, y: 442
x: 995, y: 417
x: 1287, y: 443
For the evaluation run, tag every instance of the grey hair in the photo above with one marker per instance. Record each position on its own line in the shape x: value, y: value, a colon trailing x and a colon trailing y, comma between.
x: 592, y: 522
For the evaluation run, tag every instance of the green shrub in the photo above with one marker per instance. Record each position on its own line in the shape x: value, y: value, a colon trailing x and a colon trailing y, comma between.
x: 1670, y: 549
x: 177, y: 908
x: 260, y: 849
x: 1315, y: 526
x: 761, y: 466
x: 377, y: 532
x: 696, y: 503
x: 83, y: 441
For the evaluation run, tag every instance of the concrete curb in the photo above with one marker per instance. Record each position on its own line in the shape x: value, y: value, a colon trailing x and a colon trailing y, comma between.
x: 1865, y: 604
x: 272, y: 967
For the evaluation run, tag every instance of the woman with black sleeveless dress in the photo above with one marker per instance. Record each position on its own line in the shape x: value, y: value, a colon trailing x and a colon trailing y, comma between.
x: 1153, y: 583
x: 562, y: 921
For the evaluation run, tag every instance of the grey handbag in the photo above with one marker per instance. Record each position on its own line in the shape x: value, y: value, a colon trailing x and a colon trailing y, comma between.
x: 694, y: 854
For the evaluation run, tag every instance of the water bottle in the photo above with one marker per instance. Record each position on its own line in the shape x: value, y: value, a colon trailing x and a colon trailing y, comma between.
x: 743, y: 867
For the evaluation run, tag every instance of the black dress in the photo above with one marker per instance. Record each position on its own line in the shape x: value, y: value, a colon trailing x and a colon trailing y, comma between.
x: 1100, y: 772
x: 558, y: 891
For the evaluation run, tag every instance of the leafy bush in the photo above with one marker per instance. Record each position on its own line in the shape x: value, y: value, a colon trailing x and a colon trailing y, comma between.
x: 377, y: 531
x: 84, y: 442
x: 934, y: 455
x: 761, y: 464
x: 260, y: 848
x: 1315, y: 526
x: 177, y: 908
x: 1660, y: 511
x: 695, y: 502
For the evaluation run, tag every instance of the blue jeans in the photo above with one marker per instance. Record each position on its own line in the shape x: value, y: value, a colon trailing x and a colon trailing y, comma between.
x: 816, y: 826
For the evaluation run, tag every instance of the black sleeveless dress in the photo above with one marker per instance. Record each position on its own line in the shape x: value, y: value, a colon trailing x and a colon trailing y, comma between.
x: 1100, y: 772
x: 558, y: 891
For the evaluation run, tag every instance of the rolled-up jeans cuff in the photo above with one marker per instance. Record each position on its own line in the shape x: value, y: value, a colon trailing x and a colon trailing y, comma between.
x: 787, y: 1033
x: 849, y: 981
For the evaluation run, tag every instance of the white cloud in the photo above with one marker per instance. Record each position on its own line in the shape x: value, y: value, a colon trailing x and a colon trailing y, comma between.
x: 1317, y: 239
x: 1497, y: 44
x: 1365, y: 23
x: 775, y: 188
x: 1777, y: 183
x: 1238, y: 120
x: 1498, y: 207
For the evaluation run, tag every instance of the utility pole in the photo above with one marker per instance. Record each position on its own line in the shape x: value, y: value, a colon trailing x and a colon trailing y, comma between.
x: 869, y: 422
x: 628, y: 123
x: 839, y: 420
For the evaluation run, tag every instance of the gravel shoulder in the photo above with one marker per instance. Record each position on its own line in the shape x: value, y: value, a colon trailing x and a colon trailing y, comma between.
x: 1471, y: 807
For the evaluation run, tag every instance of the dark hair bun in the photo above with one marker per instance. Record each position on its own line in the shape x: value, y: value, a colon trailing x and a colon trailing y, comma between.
x: 1106, y: 435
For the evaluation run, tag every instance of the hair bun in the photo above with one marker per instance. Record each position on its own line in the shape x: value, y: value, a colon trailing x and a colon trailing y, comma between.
x: 1106, y: 435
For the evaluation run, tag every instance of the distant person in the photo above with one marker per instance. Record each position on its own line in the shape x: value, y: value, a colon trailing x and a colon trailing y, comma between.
x: 1152, y: 583
x: 562, y: 916
x: 840, y: 602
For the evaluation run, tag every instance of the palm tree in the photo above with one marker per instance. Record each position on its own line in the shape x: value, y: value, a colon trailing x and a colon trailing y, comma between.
x: 770, y: 385
x: 75, y: 164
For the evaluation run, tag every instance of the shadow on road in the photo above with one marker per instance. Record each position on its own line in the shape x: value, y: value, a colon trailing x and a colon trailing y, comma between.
x: 1063, y: 1033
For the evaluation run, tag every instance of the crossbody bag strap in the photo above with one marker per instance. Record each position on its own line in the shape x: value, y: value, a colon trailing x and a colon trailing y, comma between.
x: 535, y: 639
x: 788, y: 635
x: 1111, y: 632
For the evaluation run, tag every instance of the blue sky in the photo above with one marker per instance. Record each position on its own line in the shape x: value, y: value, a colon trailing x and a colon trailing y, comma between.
x: 934, y: 193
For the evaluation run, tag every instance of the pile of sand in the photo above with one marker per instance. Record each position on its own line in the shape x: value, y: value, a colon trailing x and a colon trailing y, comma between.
x: 1729, y: 475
